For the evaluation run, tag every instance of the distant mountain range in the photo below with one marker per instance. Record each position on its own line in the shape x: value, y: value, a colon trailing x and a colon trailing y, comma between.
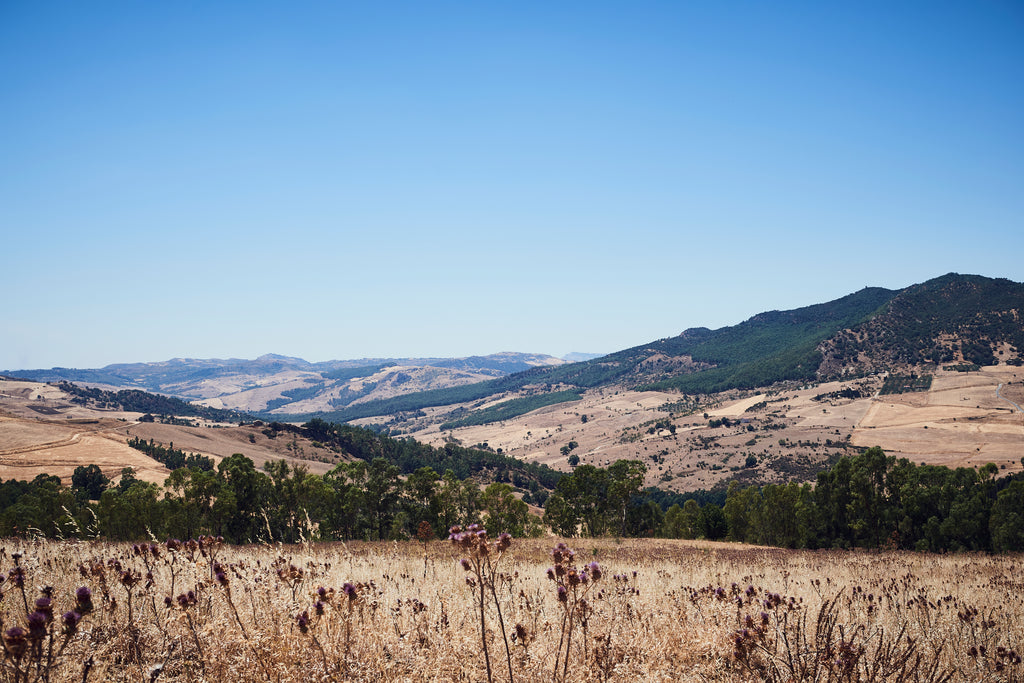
x: 953, y: 319
x: 271, y: 382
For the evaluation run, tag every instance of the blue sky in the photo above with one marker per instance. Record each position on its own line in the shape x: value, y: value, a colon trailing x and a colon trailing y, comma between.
x: 343, y: 180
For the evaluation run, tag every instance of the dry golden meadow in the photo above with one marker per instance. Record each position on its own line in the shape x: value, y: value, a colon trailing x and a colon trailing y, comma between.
x: 650, y: 610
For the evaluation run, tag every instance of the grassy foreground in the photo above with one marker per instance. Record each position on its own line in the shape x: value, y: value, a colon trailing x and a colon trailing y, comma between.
x: 648, y: 610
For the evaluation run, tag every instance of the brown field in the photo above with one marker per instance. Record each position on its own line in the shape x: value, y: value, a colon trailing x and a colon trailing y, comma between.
x: 42, y: 433
x: 960, y: 422
x: 659, y: 611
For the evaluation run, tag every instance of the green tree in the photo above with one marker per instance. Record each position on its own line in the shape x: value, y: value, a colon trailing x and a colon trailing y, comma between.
x: 1006, y: 522
x: 503, y: 512
x: 560, y: 517
x: 625, y: 478
x: 89, y: 481
x: 131, y: 514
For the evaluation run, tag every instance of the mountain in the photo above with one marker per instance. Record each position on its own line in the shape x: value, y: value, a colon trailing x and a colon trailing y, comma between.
x: 929, y: 372
x: 953, y: 318
x: 276, y: 384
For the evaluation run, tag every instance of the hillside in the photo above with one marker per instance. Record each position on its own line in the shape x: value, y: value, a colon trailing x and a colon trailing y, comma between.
x: 951, y: 319
x: 45, y: 429
x: 774, y: 398
x: 959, y: 318
x: 276, y: 385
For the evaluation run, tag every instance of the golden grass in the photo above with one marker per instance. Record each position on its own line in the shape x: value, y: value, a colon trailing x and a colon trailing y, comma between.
x: 661, y: 611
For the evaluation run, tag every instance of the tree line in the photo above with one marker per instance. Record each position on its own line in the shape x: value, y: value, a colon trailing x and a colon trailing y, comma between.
x: 280, y: 503
x: 875, y: 501
x: 870, y: 501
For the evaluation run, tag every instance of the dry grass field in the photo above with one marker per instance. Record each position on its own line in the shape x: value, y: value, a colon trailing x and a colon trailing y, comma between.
x: 649, y: 610
x: 966, y: 419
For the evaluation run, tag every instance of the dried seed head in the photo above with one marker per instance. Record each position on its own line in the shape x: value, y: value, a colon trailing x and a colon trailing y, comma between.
x: 45, y: 606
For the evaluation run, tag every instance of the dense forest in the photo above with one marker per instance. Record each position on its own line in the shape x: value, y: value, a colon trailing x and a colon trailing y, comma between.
x: 874, y: 501
x: 506, y: 410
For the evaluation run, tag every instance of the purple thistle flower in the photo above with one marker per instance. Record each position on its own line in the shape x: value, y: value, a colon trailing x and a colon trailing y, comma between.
x: 70, y: 621
x: 83, y: 600
x: 465, y: 564
x: 595, y: 571
x: 14, y: 639
x: 563, y: 594
x: 37, y: 622
x: 45, y: 606
x: 350, y: 591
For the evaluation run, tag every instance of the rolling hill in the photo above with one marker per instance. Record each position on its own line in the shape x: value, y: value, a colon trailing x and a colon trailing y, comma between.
x: 951, y: 319
x: 773, y: 398
x: 275, y: 385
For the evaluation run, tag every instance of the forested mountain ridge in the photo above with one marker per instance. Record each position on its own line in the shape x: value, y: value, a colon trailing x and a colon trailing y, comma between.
x: 951, y: 319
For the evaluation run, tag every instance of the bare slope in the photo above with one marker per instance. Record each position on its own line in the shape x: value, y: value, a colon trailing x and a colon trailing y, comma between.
x: 283, y: 385
x: 42, y: 432
x: 965, y: 419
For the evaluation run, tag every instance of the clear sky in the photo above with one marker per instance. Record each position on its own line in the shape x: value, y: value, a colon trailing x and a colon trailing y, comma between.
x: 346, y: 180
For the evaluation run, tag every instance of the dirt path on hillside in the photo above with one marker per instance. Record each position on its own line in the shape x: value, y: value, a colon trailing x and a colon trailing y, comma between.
x: 70, y: 441
x: 999, y: 393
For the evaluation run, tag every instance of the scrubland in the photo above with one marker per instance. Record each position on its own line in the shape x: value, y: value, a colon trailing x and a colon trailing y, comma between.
x: 475, y: 609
